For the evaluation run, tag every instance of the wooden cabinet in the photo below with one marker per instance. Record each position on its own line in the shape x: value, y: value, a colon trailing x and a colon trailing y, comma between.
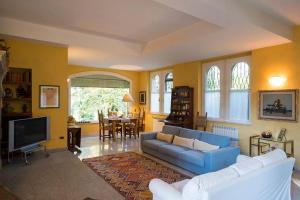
x: 74, y: 138
x: 182, y: 111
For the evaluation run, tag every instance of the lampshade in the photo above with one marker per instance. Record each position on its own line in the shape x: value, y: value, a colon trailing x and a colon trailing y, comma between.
x: 127, y: 98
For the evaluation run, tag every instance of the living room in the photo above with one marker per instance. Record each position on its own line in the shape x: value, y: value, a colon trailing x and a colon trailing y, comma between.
x: 185, y: 39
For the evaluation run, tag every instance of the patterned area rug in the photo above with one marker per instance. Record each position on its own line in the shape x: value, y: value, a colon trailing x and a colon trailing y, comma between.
x: 130, y: 173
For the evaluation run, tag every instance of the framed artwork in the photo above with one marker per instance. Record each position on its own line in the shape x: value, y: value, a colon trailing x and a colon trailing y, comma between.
x: 142, y: 97
x: 278, y: 104
x: 49, y: 96
x: 281, y: 135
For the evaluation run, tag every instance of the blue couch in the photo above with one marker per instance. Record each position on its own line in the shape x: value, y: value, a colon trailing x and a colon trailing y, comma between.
x: 195, y: 161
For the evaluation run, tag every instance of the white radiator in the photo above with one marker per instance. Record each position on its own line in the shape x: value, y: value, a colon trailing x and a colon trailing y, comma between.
x: 157, y: 124
x: 226, y: 131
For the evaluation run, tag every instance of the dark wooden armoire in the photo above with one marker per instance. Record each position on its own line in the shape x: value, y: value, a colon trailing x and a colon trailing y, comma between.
x: 182, y: 112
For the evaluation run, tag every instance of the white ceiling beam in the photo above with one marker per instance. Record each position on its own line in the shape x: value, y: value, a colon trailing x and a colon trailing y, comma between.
x: 231, y: 13
x: 33, y: 31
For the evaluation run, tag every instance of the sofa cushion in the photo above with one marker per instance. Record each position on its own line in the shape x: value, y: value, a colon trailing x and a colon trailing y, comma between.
x: 172, y: 150
x: 221, y: 141
x: 184, y: 142
x: 165, y: 137
x: 174, y: 130
x: 204, y: 146
x: 188, y: 133
x: 247, y: 166
x: 193, y: 157
x: 271, y: 157
x: 154, y: 144
x: 196, y: 187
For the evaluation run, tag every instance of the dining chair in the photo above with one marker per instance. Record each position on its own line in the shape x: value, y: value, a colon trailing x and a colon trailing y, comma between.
x: 118, y: 128
x: 201, y: 121
x: 141, y: 120
x: 103, y: 127
x: 131, y: 128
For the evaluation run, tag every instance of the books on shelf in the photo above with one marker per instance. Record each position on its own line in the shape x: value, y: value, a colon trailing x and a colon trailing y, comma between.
x: 18, y: 77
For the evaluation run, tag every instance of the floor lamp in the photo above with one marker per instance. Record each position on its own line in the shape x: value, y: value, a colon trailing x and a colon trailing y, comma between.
x: 127, y: 98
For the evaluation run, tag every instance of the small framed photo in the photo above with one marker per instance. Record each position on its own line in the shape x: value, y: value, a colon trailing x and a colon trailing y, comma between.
x: 281, y: 136
x: 142, y: 97
x: 49, y: 96
x: 278, y: 105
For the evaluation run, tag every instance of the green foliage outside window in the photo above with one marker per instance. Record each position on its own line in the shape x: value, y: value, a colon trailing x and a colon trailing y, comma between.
x: 86, y: 101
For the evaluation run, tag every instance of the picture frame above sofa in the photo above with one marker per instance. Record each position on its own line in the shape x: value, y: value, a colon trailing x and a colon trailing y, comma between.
x: 278, y: 104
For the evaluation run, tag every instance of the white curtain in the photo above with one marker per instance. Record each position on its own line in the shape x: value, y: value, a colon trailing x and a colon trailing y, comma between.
x: 167, y: 102
x: 212, y: 103
x: 239, y: 105
x: 155, y: 102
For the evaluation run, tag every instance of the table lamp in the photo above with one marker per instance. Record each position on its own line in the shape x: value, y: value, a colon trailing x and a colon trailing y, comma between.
x: 127, y: 98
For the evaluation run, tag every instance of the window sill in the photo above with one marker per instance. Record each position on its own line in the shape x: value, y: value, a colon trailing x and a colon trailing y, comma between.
x: 161, y: 114
x: 230, y: 121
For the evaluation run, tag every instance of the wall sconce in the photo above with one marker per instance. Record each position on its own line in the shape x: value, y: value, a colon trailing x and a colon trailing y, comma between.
x: 277, y: 80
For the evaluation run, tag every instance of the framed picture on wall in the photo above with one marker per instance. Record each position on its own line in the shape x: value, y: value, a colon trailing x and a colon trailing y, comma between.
x: 49, y: 96
x: 278, y: 104
x: 142, y: 97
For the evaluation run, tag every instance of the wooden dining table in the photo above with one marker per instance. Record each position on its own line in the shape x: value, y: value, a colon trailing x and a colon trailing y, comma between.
x: 115, y: 120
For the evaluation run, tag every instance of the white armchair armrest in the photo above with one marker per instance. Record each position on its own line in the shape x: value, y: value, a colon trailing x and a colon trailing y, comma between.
x: 163, y: 191
x: 241, y: 158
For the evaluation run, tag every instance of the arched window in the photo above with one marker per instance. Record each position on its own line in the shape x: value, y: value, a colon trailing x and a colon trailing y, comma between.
x: 155, y: 93
x: 240, y: 76
x: 212, y: 92
x: 226, y: 89
x: 239, y: 92
x: 168, y: 91
x: 92, y: 91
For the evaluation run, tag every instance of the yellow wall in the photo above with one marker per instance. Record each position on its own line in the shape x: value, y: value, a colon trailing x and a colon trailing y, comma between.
x: 266, y: 62
x: 49, y: 66
x: 91, y: 129
x: 185, y: 74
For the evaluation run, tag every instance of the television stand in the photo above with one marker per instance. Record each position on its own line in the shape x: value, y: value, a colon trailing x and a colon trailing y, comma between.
x: 33, y: 148
x: 30, y: 149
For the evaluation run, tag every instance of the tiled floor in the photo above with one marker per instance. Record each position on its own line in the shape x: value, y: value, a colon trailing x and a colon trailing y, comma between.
x: 92, y: 146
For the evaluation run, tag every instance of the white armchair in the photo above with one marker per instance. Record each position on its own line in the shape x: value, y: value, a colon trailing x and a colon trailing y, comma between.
x: 266, y: 177
x: 162, y: 190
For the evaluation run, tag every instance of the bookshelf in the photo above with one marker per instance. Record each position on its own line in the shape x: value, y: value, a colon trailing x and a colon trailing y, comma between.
x: 17, y: 101
x: 181, y: 107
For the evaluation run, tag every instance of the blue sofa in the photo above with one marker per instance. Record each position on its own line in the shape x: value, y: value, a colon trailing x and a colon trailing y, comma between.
x: 195, y: 161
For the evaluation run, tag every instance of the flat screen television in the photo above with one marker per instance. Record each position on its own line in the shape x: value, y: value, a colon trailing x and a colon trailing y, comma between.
x: 27, y: 132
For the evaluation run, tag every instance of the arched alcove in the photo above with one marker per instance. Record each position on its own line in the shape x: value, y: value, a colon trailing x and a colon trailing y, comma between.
x: 100, y: 83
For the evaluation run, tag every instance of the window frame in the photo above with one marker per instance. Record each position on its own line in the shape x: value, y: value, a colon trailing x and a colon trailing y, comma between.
x: 87, y: 73
x: 225, y: 67
x: 162, y: 88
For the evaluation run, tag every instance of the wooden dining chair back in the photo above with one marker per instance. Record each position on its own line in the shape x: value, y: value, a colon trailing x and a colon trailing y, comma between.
x: 201, y: 121
x: 141, y: 120
x: 131, y: 128
x: 105, y: 129
x: 118, y: 128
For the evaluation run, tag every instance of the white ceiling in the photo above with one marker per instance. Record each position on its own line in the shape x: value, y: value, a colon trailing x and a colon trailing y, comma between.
x: 147, y: 34
x: 286, y: 9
